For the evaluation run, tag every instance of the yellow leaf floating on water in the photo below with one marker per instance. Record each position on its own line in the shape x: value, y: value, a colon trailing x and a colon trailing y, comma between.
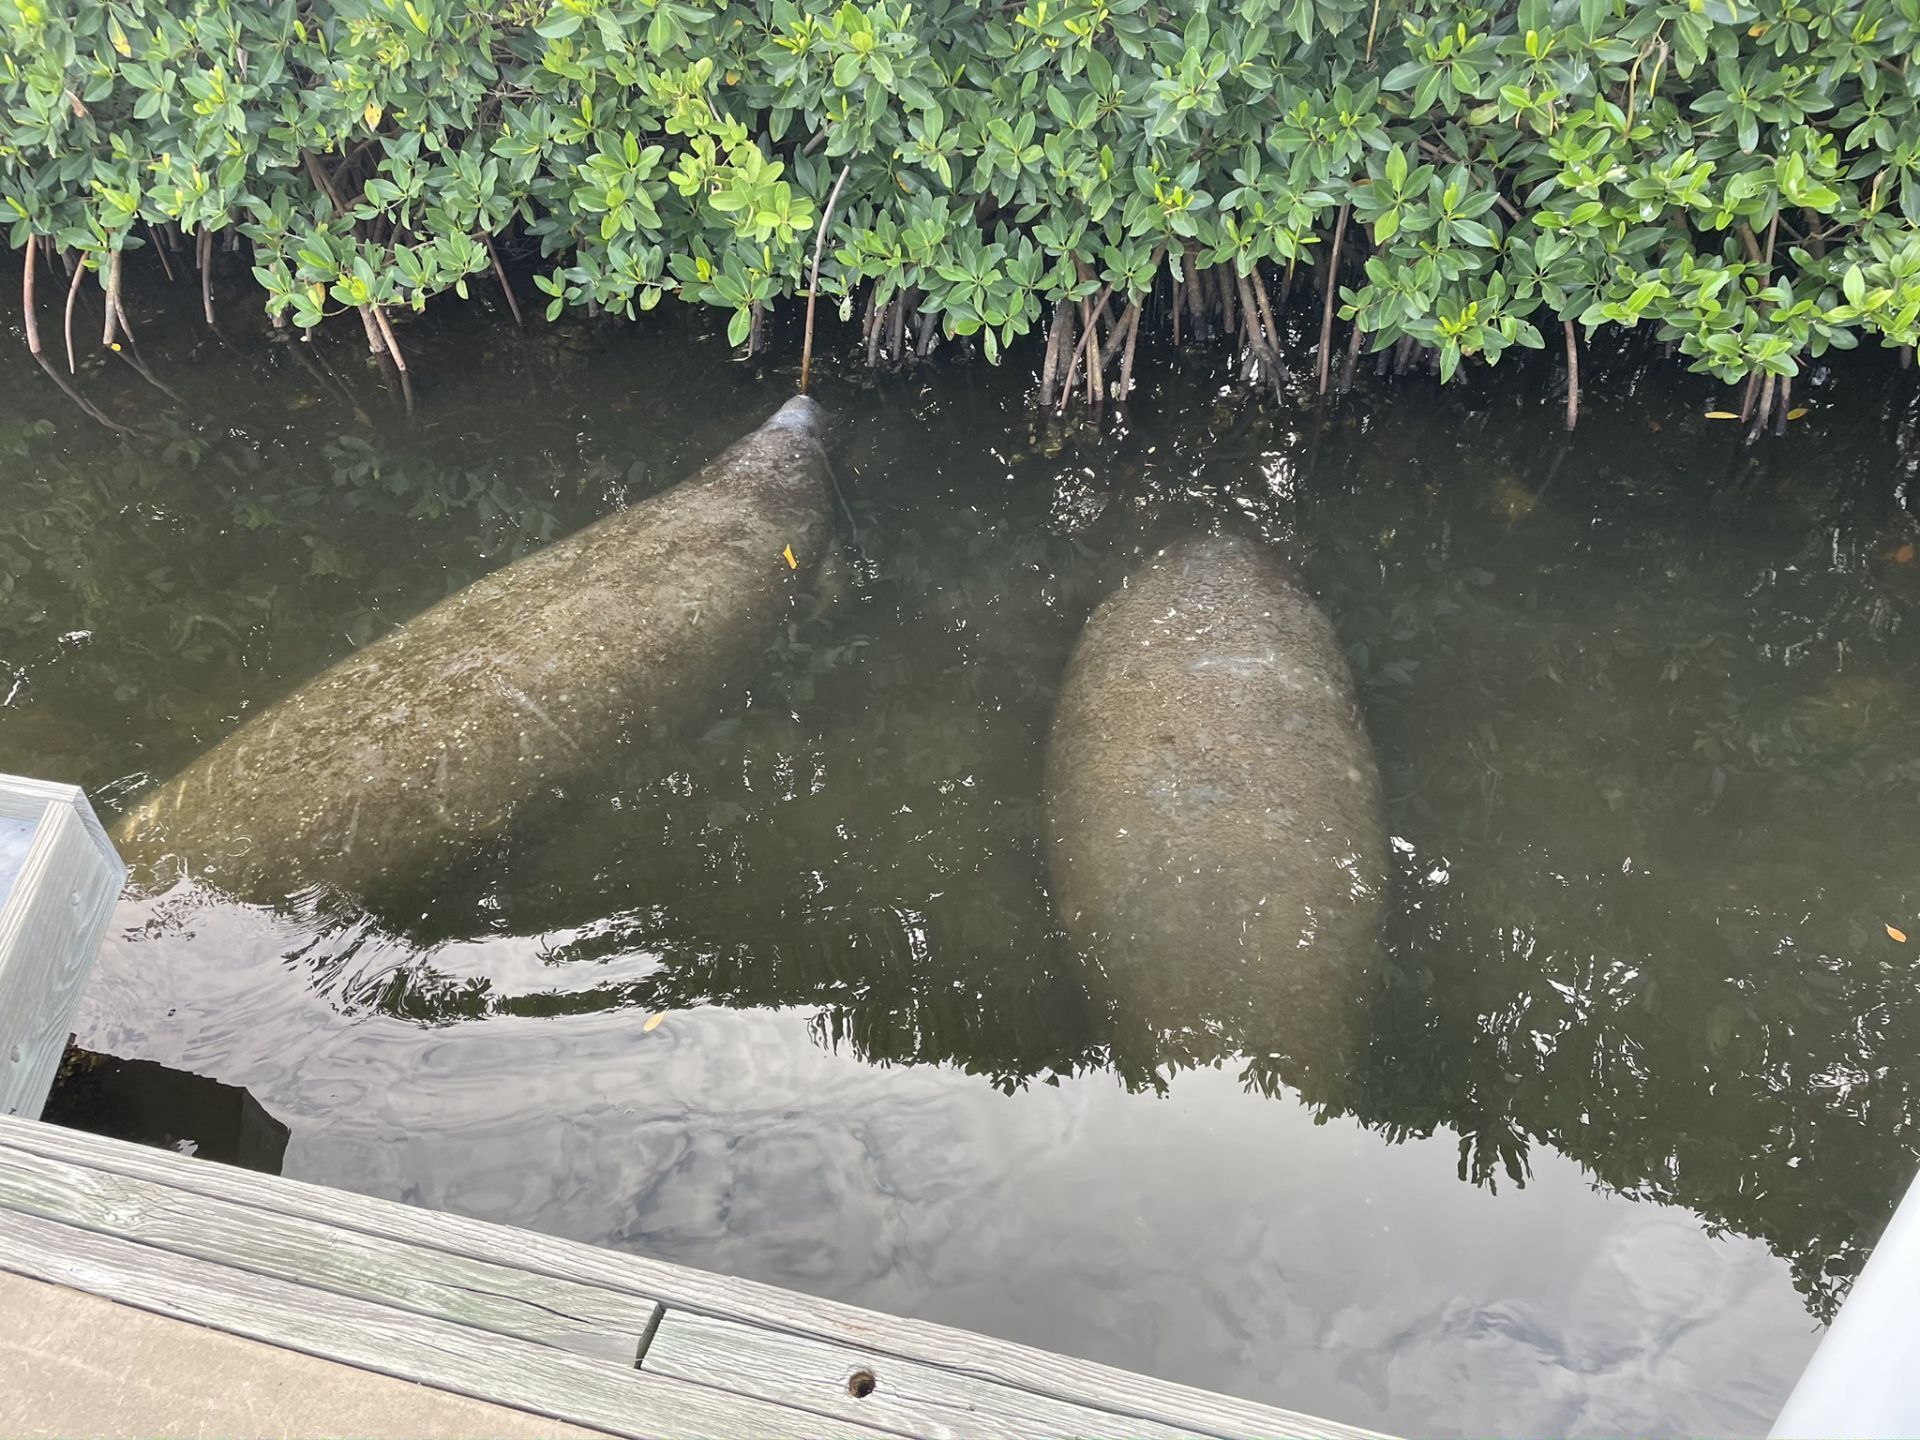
x: 1899, y: 935
x: 1904, y: 555
x: 1799, y: 412
x: 1721, y: 415
x: 653, y: 1020
x: 787, y: 554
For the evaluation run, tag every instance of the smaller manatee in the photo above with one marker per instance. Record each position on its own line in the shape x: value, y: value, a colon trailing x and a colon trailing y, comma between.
x: 1218, y: 848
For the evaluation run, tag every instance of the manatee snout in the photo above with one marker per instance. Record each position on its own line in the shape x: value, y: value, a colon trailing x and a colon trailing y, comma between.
x: 801, y: 413
x: 1218, y: 847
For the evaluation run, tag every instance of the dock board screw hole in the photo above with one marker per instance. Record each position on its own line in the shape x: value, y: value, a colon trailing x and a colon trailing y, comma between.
x: 861, y: 1384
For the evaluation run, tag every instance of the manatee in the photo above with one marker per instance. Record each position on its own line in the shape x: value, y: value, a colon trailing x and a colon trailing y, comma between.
x: 1217, y: 842
x: 408, y: 753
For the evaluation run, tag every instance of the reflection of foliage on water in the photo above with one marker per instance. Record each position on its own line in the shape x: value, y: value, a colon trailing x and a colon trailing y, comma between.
x: 138, y: 586
x: 1654, y: 782
x: 1646, y: 713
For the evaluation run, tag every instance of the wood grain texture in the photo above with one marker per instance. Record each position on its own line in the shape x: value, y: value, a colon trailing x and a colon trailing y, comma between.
x: 931, y: 1401
x: 499, y: 1299
x: 50, y: 926
x: 1127, y: 1396
x: 495, y: 1368
x: 189, y: 1382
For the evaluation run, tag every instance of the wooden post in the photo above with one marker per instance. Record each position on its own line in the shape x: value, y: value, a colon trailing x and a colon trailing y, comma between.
x: 59, y: 878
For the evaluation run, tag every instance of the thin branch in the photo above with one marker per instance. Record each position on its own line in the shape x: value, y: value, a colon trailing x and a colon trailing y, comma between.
x: 1573, y: 376
x: 204, y: 245
x: 1763, y: 409
x: 111, y: 284
x: 399, y: 356
x: 1050, y: 367
x: 813, y: 280
x: 1086, y: 333
x: 500, y: 274
x: 1333, y: 286
x: 1126, y: 356
x: 161, y: 251
x: 73, y: 294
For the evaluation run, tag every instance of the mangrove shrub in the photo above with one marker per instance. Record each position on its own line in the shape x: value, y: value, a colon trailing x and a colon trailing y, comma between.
x: 1450, y: 179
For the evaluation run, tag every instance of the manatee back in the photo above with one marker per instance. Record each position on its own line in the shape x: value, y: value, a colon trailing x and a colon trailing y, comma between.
x: 399, y: 758
x: 1218, y: 846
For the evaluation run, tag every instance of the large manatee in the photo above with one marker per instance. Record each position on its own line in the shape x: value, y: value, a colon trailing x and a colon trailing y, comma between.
x: 1218, y: 845
x: 411, y: 750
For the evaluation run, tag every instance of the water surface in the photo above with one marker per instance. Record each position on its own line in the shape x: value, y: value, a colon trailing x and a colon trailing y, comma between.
x: 1639, y: 1096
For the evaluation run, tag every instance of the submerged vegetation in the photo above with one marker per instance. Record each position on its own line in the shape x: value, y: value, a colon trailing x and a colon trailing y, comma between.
x: 1434, y: 181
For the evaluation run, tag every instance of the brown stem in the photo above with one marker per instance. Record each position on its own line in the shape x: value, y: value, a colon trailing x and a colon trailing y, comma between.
x: 112, y: 287
x: 375, y: 344
x: 321, y: 178
x: 1782, y: 403
x: 1089, y: 319
x: 1126, y: 356
x: 1332, y: 287
x: 500, y: 274
x: 1762, y: 410
x: 204, y: 245
x: 1747, y: 399
x: 1748, y: 243
x: 399, y: 357
x: 876, y: 326
x: 1265, y: 345
x: 28, y: 309
x: 1573, y: 376
x: 813, y: 280
x: 1086, y: 334
x: 1256, y: 337
x: 1117, y: 330
x: 1226, y: 299
x: 1816, y: 236
x: 161, y: 251
x: 1073, y: 354
x: 1266, y: 311
x: 1352, y: 360
x: 1192, y: 288
x: 73, y: 294
x: 1062, y: 317
x: 26, y: 294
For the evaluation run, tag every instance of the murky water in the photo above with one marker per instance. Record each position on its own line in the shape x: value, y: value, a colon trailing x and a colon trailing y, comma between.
x: 1647, y: 706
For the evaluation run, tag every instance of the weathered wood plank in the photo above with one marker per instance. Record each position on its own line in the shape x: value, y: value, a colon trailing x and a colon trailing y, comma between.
x: 495, y: 1368
x: 51, y: 918
x: 931, y: 1401
x: 1125, y: 1395
x: 500, y: 1299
